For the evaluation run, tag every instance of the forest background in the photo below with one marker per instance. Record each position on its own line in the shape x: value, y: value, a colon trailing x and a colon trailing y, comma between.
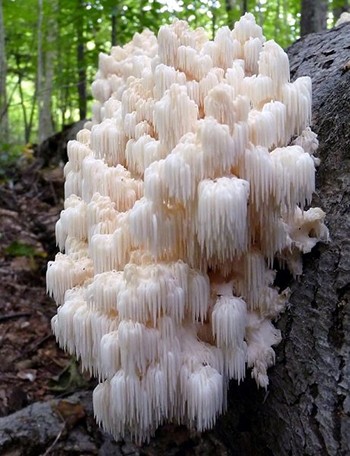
x: 49, y: 50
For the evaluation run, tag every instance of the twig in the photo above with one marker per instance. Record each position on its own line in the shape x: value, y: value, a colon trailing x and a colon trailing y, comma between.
x: 6, y: 212
x: 47, y: 452
x: 14, y: 316
x: 32, y: 348
x: 37, y: 344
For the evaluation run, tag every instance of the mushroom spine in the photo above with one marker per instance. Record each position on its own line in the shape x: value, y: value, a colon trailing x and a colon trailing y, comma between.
x: 190, y: 180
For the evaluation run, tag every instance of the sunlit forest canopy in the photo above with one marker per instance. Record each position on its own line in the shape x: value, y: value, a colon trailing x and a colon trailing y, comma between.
x: 49, y: 49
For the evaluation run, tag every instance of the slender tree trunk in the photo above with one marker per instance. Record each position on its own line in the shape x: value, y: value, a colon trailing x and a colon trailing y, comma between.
x: 40, y: 69
x: 64, y: 85
x: 213, y: 21
x: 45, y: 73
x: 4, y: 124
x: 114, y: 20
x: 81, y: 86
x: 50, y: 57
x: 27, y: 119
x: 31, y: 116
x: 313, y: 16
x: 21, y: 95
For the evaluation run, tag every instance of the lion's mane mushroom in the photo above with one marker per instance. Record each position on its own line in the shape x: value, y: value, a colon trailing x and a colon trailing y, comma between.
x: 180, y: 194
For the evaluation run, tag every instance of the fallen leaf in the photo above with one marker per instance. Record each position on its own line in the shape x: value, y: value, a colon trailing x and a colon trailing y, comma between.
x: 69, y: 379
x: 70, y: 412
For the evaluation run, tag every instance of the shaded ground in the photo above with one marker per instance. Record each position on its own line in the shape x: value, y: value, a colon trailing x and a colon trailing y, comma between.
x: 30, y: 202
x: 45, y: 401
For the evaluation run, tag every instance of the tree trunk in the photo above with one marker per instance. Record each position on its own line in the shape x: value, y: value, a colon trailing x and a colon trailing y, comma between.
x: 21, y: 96
x: 229, y: 6
x: 313, y: 16
x: 114, y: 21
x: 81, y: 66
x: 45, y: 73
x: 4, y: 125
x: 306, y: 410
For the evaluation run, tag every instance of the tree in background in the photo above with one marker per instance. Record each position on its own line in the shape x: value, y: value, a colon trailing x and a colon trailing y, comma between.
x: 52, y: 46
x: 313, y: 16
x: 20, y: 27
x: 81, y: 65
x: 4, y: 132
x: 47, y: 38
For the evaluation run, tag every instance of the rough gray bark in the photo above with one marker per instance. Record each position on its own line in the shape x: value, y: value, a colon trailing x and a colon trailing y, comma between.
x: 307, y: 408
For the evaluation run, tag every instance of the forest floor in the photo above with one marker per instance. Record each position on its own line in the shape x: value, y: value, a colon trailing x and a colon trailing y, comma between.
x: 33, y: 369
x: 32, y: 366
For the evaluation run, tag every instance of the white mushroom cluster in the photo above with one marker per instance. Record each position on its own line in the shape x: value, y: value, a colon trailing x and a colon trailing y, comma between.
x: 188, y: 183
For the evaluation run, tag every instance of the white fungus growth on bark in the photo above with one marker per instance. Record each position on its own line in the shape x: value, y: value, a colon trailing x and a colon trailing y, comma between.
x: 190, y: 180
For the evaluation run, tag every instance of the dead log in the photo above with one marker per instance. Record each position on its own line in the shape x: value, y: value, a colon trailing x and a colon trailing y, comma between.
x: 307, y: 407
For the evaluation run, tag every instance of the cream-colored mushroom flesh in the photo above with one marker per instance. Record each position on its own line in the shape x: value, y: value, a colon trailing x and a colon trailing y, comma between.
x: 188, y: 183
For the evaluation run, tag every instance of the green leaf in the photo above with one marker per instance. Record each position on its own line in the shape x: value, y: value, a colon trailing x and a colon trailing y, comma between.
x: 18, y: 249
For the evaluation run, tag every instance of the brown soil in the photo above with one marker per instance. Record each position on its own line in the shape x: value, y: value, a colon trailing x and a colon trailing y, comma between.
x: 32, y: 366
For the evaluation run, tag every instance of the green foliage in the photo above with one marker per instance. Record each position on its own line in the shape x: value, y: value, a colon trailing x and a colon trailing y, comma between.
x: 89, y: 24
x: 68, y: 380
x: 20, y: 249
